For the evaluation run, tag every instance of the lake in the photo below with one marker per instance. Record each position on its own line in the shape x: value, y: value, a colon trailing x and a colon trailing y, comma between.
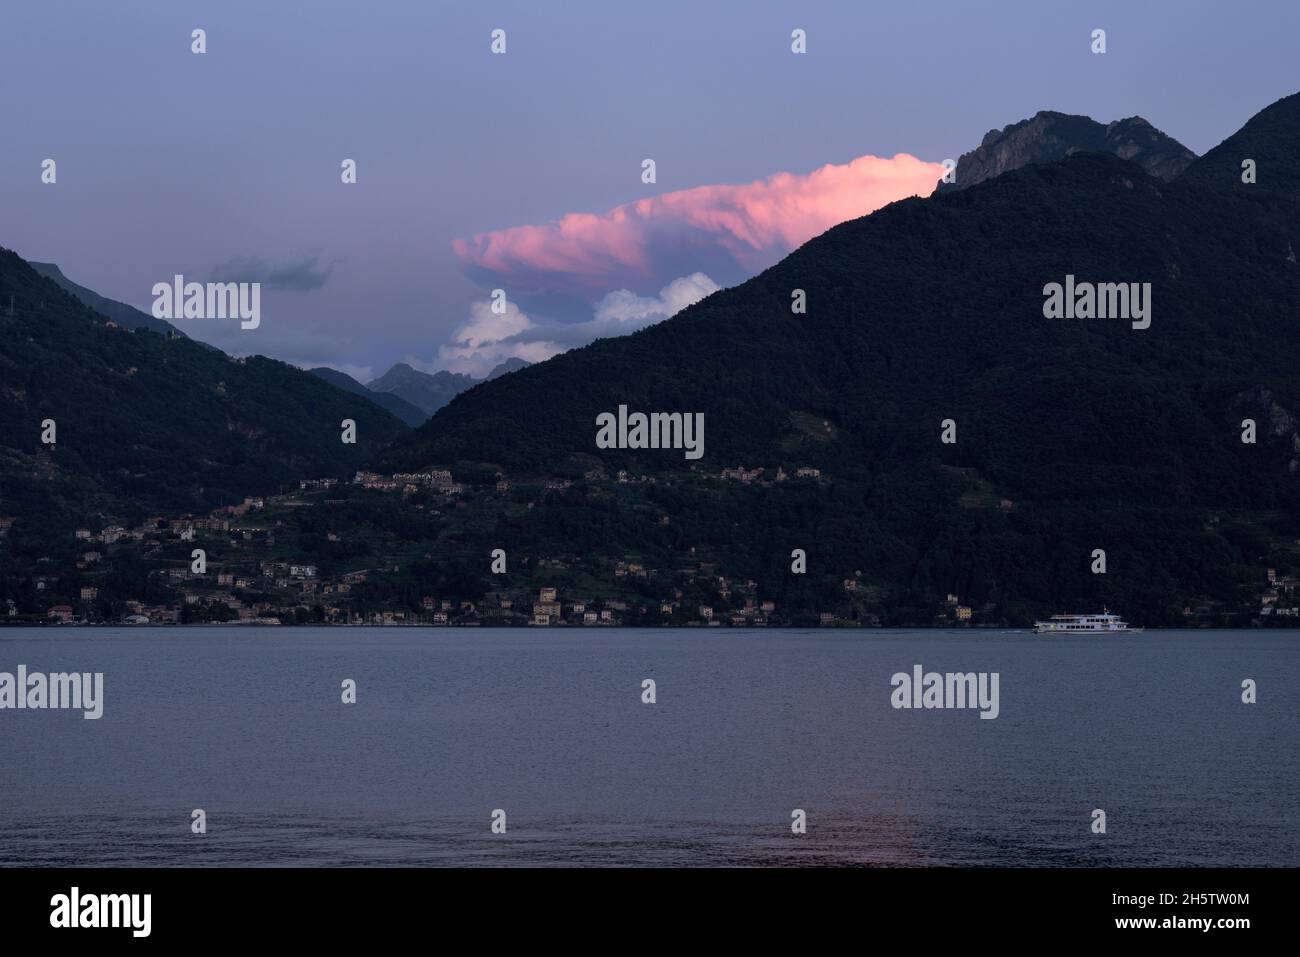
x: 549, y: 726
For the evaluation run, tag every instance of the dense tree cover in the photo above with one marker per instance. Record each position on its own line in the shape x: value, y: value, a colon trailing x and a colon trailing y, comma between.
x: 147, y: 424
x: 1098, y: 435
x: 1072, y: 435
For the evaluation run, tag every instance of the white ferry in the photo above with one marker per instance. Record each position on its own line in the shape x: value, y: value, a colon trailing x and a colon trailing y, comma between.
x: 1084, y: 624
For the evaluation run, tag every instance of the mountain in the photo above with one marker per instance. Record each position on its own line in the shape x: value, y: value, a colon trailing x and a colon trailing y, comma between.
x: 1047, y: 137
x: 426, y: 392
x: 430, y: 392
x: 1072, y: 435
x: 147, y: 424
x: 1271, y: 135
x: 389, y: 401
x: 119, y: 312
x: 513, y: 364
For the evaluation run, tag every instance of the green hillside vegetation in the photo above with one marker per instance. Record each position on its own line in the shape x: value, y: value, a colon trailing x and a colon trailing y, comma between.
x: 1095, y: 434
x: 119, y: 312
x: 148, y: 424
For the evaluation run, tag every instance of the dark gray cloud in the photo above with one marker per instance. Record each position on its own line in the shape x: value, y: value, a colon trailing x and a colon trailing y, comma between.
x: 301, y: 275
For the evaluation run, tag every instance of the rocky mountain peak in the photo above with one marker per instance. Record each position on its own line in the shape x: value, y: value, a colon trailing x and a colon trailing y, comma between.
x: 1048, y: 136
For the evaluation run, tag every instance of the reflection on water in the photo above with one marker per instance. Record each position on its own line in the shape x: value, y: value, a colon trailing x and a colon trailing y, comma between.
x: 748, y: 725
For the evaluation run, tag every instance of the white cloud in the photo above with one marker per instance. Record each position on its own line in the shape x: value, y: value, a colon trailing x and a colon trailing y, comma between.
x: 488, y: 338
x: 486, y: 327
x: 625, y: 306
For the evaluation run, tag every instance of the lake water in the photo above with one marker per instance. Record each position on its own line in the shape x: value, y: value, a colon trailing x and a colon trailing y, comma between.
x: 549, y: 725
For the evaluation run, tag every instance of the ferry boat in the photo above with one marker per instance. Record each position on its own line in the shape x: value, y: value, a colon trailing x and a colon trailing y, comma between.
x: 1084, y: 624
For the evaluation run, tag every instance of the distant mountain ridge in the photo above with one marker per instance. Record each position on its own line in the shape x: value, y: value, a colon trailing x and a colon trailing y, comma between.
x: 1048, y: 136
x: 513, y: 364
x: 119, y: 312
x: 391, y: 401
x: 429, y: 392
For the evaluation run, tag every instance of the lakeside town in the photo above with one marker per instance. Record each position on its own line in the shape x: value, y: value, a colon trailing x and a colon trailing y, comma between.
x: 247, y: 563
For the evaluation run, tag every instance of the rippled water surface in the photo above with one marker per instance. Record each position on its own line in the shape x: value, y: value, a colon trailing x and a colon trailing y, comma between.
x: 549, y: 726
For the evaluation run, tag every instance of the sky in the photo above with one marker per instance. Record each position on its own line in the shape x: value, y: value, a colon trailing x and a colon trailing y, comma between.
x: 523, y: 171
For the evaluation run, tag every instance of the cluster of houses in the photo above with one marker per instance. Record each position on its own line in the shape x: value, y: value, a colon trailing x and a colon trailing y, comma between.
x: 253, y: 590
x: 438, y: 480
x: 1281, y: 599
x: 749, y: 476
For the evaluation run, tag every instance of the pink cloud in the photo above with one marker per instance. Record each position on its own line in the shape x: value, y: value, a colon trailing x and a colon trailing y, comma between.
x: 644, y: 243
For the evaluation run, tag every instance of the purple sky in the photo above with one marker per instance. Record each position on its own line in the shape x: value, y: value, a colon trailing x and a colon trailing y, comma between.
x: 226, y: 165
